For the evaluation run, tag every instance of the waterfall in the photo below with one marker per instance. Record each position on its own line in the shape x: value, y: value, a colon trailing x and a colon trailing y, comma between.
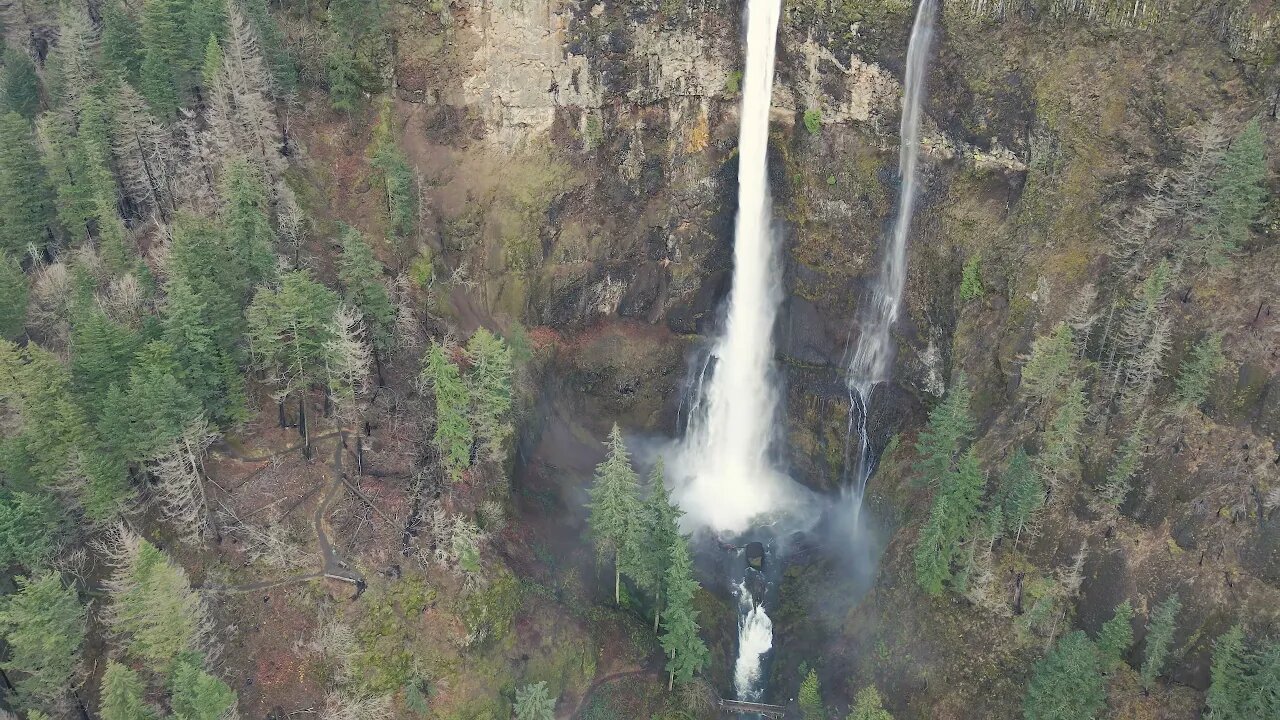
x: 755, y: 639
x: 728, y: 477
x: 873, y: 356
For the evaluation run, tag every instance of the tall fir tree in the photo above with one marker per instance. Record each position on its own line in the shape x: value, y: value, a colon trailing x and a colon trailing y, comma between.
x: 1116, y: 636
x: 195, y: 694
x: 26, y: 201
x: 19, y: 85
x: 122, y: 695
x: 657, y: 530
x: 954, y: 509
x: 33, y: 526
x: 249, y: 236
x: 868, y: 705
x: 102, y: 353
x: 121, y: 43
x: 1159, y: 642
x: 454, y: 433
x: 361, y: 276
x: 1050, y: 367
x: 686, y: 652
x: 1230, y: 685
x: 614, y: 504
x: 490, y: 383
x: 1067, y: 683
x: 949, y: 428
x: 1197, y: 374
x: 1021, y: 494
x: 13, y: 297
x: 43, y: 625
x: 809, y: 698
x: 1235, y: 199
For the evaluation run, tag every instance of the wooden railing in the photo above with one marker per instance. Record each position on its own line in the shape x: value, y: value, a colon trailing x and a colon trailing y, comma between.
x: 743, y: 707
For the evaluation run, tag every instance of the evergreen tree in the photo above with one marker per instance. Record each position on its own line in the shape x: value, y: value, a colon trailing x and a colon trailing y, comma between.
x: 534, y: 702
x: 868, y: 705
x: 211, y: 70
x: 36, y: 388
x: 1230, y: 686
x: 284, y: 75
x: 971, y: 279
x: 1120, y: 479
x: 954, y: 510
x: 32, y: 528
x: 490, y: 385
x: 43, y: 625
x: 206, y: 367
x: 1067, y: 684
x: 164, y: 54
x: 810, y: 698
x: 121, y: 44
x: 1021, y: 493
x: 1235, y: 199
x: 454, y: 433
x: 361, y: 276
x: 657, y: 530
x: 1116, y: 635
x: 102, y: 353
x: 686, y: 653
x: 218, y: 275
x: 122, y: 695
x: 1160, y: 631
x: 356, y: 51
x: 292, y: 336
x: 1050, y: 367
x: 1057, y: 460
x: 614, y: 505
x: 20, y: 85
x: 1264, y: 701
x: 143, y: 151
x: 195, y: 694
x: 26, y: 203
x: 248, y: 227
x: 1197, y: 373
x: 143, y: 418
x: 153, y: 607
x: 949, y: 428
x: 13, y: 297
x: 398, y: 187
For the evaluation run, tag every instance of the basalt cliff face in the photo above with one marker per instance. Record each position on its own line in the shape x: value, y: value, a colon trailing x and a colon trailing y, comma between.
x: 579, y: 163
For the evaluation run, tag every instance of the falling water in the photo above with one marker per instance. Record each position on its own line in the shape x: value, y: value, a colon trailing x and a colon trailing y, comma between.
x: 725, y: 477
x: 873, y: 357
x: 725, y: 454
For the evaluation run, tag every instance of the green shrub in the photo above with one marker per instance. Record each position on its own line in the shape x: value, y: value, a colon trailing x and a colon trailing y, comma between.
x: 813, y: 121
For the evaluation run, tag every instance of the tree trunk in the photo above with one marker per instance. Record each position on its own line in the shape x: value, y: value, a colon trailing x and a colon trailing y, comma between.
x: 303, y: 430
x: 671, y: 682
x: 328, y: 402
x: 284, y: 422
x: 657, y: 609
x: 377, y: 365
x: 617, y: 579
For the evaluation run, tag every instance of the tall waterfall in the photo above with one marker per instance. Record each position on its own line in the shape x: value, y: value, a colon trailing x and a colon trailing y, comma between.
x: 873, y: 356
x: 725, y: 457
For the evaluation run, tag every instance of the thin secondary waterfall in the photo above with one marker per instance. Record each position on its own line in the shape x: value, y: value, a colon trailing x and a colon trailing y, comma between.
x: 872, y: 359
x: 725, y: 455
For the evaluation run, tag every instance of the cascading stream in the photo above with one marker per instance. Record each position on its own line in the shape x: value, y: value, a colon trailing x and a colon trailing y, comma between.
x: 872, y: 358
x: 724, y: 477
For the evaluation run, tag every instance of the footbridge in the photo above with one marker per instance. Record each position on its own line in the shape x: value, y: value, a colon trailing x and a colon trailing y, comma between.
x: 741, y: 707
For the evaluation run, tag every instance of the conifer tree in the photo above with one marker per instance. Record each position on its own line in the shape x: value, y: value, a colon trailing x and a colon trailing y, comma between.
x: 32, y: 528
x: 614, y: 505
x: 658, y: 529
x: 284, y: 76
x: 36, y: 387
x: 13, y: 297
x: 195, y: 694
x: 204, y: 366
x: 1057, y: 460
x: 949, y: 428
x: 153, y: 608
x: 1230, y: 684
x: 1197, y: 373
x: 361, y: 276
x: 248, y: 227
x: 1067, y: 684
x: 1264, y: 700
x: 868, y: 705
x: 26, y: 202
x: 43, y: 625
x: 809, y: 698
x: 1128, y: 460
x: 1049, y: 368
x: 398, y: 187
x: 954, y: 510
x: 454, y: 432
x: 1116, y: 635
x: 1234, y: 200
x: 1159, y: 642
x: 686, y: 653
x: 164, y: 54
x: 291, y: 336
x: 121, y: 44
x: 20, y: 85
x: 490, y: 385
x: 1021, y: 494
x: 241, y: 116
x: 144, y: 417
x: 534, y: 702
x: 143, y: 151
x: 72, y: 65
x: 122, y: 695
x: 102, y: 353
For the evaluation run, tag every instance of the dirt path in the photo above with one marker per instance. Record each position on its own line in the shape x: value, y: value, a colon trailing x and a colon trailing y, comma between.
x: 596, y: 685
x: 332, y: 566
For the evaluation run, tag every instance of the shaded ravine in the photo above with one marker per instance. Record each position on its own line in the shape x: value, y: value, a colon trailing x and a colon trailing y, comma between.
x: 332, y: 566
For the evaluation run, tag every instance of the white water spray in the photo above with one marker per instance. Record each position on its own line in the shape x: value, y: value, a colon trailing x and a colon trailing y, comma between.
x: 725, y: 476
x: 873, y: 357
x: 755, y: 639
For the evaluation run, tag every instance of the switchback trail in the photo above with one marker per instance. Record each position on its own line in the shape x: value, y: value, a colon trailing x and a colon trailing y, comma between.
x: 596, y: 685
x: 332, y: 566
